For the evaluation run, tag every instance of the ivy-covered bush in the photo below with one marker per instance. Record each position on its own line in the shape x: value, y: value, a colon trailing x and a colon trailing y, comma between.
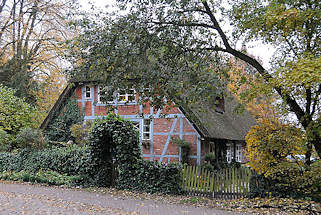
x: 114, y: 142
x: 71, y: 160
x: 59, y: 128
x: 152, y: 177
x: 47, y: 177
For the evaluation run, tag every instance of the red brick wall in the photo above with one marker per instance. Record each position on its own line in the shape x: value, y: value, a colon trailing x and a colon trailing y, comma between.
x: 161, y: 126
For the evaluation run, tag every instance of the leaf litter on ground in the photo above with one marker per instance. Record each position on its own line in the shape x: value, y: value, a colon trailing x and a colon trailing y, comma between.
x: 272, y: 205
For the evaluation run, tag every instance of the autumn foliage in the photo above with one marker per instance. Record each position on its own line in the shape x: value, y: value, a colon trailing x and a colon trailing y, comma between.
x: 270, y: 145
x: 276, y: 150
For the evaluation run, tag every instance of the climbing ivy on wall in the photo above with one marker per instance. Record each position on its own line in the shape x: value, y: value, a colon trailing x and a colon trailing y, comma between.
x: 112, y: 138
x: 59, y: 128
x: 114, y: 142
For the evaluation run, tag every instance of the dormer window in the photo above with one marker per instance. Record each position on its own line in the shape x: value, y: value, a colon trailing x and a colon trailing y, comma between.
x: 87, y: 92
x: 219, y: 104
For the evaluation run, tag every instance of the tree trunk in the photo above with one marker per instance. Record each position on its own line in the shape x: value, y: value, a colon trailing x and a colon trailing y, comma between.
x: 315, y: 140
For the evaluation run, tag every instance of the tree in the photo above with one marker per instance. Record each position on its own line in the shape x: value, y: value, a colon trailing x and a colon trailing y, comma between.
x: 173, y: 44
x: 271, y: 144
x: 50, y: 87
x: 250, y: 90
x: 15, y: 113
x: 275, y: 150
x: 31, y: 36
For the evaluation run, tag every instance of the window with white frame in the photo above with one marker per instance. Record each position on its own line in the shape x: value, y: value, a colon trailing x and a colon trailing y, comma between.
x: 230, y: 152
x: 146, y: 129
x: 238, y: 153
x: 103, y: 97
x: 87, y: 92
x: 126, y: 96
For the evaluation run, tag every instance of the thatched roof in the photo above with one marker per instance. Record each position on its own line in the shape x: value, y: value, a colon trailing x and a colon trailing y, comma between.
x: 228, y: 125
x: 68, y: 91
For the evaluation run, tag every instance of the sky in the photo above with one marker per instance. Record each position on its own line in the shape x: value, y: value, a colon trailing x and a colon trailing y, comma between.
x: 262, y: 51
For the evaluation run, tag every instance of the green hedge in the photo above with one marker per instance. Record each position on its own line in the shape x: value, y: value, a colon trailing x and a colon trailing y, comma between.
x: 45, y: 177
x: 152, y: 177
x: 71, y: 160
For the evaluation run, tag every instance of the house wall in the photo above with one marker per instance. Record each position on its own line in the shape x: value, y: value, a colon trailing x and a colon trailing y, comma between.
x: 162, y: 129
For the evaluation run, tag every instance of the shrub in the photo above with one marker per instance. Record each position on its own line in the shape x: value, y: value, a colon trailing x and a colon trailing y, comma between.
x: 80, y: 132
x: 212, y: 163
x: 114, y: 141
x: 15, y: 113
x: 289, y: 182
x: 152, y: 177
x: 269, y: 144
x: 5, y: 142
x: 30, y: 138
x: 48, y: 177
x: 72, y: 161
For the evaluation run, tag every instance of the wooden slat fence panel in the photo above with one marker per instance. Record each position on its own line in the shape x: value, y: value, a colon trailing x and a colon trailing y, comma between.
x: 229, y: 183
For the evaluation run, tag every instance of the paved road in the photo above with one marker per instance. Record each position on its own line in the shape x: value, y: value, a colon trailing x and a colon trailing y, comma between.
x: 31, y: 199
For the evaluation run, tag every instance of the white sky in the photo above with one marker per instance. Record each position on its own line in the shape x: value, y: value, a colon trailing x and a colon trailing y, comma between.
x: 263, y: 52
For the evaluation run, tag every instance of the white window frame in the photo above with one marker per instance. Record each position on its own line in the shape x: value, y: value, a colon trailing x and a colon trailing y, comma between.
x: 126, y: 96
x: 230, y: 152
x: 144, y: 124
x: 99, y: 96
x: 238, y: 152
x: 87, y: 97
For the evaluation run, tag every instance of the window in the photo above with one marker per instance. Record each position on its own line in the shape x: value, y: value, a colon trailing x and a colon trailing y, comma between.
x: 230, y: 152
x: 219, y: 104
x: 146, y: 129
x: 238, y: 152
x: 87, y: 92
x: 103, y: 97
x: 126, y: 96
x: 211, y: 147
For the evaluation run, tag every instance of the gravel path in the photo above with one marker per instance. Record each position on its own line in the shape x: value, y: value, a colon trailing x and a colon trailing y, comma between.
x: 34, y: 199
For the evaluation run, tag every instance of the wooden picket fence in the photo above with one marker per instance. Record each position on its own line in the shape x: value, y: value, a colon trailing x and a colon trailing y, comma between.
x: 229, y: 183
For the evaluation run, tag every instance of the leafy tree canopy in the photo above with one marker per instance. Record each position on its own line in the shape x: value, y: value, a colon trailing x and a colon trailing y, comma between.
x: 178, y: 47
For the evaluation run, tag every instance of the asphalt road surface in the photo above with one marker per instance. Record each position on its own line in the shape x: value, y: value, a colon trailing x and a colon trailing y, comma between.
x: 33, y: 199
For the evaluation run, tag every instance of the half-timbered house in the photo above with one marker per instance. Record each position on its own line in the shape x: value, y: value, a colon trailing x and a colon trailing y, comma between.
x: 208, y: 129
